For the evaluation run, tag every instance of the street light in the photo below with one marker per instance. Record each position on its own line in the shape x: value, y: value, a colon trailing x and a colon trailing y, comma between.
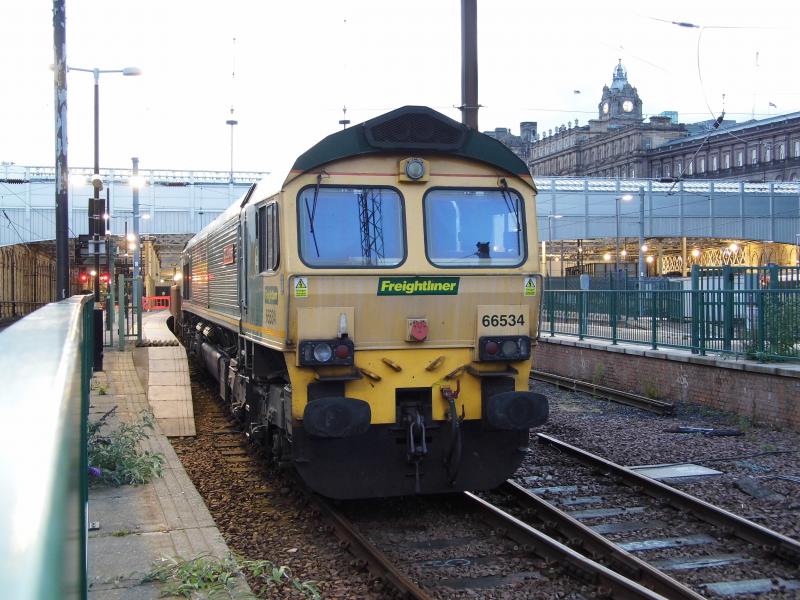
x: 231, y: 122
x: 548, y: 251
x: 625, y: 198
x: 97, y: 183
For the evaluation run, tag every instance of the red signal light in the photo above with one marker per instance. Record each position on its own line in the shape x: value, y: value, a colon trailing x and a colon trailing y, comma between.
x: 492, y: 348
x: 84, y: 277
x: 342, y: 351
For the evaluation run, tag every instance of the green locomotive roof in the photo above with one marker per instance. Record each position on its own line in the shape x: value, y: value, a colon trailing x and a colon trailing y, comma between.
x: 412, y: 129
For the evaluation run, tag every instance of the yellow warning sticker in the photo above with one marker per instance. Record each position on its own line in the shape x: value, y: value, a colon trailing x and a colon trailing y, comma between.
x: 301, y: 287
x: 530, y: 286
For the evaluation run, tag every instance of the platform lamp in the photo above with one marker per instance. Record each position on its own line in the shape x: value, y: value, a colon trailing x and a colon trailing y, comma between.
x: 95, y: 204
x: 624, y: 198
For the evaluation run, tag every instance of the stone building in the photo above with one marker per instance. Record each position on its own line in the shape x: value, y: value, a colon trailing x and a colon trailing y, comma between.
x: 615, y: 144
x: 619, y: 143
x: 754, y: 151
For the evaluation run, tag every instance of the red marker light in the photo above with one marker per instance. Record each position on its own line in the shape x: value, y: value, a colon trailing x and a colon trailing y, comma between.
x: 342, y: 351
x: 491, y: 348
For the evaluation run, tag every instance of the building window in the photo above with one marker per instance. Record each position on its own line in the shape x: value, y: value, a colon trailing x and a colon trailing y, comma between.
x: 754, y: 156
x: 726, y: 160
x: 690, y: 167
x: 796, y: 148
x: 714, y: 163
x: 656, y: 171
x: 666, y: 170
x: 633, y: 173
x: 679, y: 168
x: 767, y: 152
x: 781, y: 152
x: 739, y: 158
x: 701, y: 166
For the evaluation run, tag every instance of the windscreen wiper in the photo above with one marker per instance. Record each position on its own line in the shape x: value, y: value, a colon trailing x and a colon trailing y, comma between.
x: 313, y: 211
x: 512, y: 206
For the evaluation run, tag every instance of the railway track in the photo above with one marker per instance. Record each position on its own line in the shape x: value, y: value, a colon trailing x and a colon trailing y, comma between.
x: 544, y: 541
x: 464, y: 546
x: 661, y: 537
x: 600, y: 391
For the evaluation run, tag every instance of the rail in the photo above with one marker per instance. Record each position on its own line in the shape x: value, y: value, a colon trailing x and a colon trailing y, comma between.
x: 46, y: 362
x: 756, y: 324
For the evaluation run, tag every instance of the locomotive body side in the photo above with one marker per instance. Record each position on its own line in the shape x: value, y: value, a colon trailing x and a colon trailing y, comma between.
x: 382, y: 338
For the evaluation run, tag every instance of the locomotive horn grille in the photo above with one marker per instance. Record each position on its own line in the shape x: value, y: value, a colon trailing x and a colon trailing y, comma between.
x: 414, y: 130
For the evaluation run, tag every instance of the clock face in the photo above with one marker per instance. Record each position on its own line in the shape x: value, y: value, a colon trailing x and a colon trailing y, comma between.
x: 605, y: 108
x: 627, y: 106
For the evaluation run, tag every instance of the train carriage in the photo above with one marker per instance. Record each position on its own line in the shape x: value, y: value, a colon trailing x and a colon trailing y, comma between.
x: 372, y: 321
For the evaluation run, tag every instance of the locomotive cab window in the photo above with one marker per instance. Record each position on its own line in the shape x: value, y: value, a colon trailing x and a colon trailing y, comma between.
x: 469, y: 227
x: 267, y: 234
x: 351, y: 227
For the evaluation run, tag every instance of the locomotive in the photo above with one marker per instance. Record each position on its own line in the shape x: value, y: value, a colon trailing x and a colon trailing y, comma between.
x: 372, y: 320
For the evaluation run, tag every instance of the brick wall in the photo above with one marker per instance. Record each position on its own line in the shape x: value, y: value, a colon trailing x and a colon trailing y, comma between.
x: 763, y: 393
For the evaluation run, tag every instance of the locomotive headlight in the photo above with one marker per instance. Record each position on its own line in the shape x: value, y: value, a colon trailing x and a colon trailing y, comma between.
x: 415, y: 168
x: 334, y: 352
x: 510, y: 348
x: 504, y: 347
x: 322, y: 352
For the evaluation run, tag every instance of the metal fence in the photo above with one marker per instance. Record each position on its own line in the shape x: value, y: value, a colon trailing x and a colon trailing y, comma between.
x: 46, y: 362
x: 759, y: 324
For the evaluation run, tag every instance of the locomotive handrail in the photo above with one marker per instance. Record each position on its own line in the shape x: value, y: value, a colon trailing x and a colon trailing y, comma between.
x: 46, y: 363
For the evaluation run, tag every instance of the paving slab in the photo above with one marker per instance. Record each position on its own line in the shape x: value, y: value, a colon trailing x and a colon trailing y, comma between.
x: 139, y: 525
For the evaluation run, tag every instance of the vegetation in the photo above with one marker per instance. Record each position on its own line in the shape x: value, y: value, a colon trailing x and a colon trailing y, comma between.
x: 116, y: 458
x: 781, y: 329
x: 208, y: 577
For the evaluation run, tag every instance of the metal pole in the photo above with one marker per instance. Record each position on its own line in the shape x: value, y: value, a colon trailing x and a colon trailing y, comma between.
x: 93, y: 216
x: 616, y: 238
x: 549, y: 242
x: 137, y: 253
x: 231, y: 122
x: 62, y: 170
x: 469, y: 63
x: 641, y: 236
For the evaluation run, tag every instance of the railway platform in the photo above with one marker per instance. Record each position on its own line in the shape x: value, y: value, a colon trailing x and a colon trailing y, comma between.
x: 133, y: 527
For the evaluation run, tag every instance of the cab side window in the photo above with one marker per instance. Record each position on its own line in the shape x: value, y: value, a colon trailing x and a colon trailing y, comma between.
x: 268, y: 239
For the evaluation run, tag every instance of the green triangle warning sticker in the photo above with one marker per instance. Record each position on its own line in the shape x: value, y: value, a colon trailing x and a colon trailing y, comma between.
x: 301, y: 287
x: 530, y: 286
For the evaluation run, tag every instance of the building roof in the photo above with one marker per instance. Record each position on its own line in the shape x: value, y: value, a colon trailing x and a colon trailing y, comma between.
x: 732, y: 129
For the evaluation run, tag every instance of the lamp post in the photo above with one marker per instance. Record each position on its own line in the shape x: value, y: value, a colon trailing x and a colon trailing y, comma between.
x: 97, y: 183
x: 232, y: 123
x: 550, y: 239
x: 626, y: 198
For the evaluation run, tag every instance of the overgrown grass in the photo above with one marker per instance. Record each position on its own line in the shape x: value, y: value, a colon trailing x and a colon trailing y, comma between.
x: 209, y: 577
x: 116, y: 459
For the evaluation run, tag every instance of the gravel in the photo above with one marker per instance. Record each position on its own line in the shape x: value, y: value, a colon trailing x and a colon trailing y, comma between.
x: 631, y: 437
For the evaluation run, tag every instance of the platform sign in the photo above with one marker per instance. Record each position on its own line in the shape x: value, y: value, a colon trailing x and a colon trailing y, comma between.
x: 301, y: 287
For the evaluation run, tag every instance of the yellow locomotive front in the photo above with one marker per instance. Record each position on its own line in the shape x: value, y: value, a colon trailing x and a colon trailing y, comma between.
x: 405, y: 306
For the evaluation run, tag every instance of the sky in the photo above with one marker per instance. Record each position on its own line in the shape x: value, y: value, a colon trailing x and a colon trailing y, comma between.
x: 288, y: 69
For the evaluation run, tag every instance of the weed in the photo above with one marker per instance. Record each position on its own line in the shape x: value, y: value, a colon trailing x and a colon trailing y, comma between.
x: 215, y: 577
x: 651, y: 391
x: 100, y: 388
x: 121, y: 532
x: 599, y: 373
x: 116, y: 458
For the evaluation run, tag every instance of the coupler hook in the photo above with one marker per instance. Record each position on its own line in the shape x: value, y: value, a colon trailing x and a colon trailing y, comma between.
x: 417, y: 447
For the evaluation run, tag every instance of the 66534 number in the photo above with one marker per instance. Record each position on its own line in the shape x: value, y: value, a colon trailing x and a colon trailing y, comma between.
x: 503, y: 320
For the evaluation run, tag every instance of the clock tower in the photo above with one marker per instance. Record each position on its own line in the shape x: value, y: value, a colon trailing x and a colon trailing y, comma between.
x: 620, y: 103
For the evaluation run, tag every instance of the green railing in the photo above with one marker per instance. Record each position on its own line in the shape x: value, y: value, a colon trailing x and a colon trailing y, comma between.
x: 46, y: 369
x: 758, y: 324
